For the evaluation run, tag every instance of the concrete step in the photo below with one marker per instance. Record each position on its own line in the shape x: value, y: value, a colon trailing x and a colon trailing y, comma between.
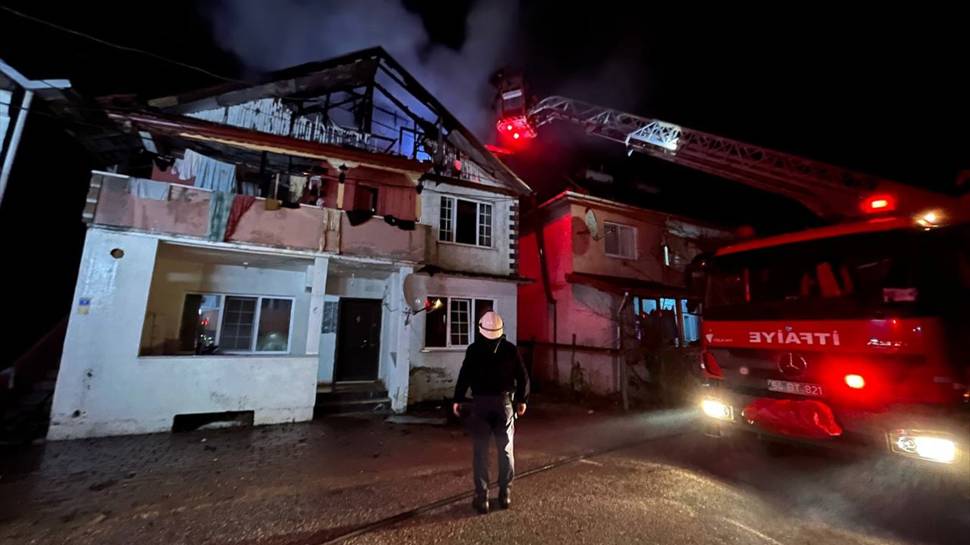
x: 347, y: 392
x: 370, y: 406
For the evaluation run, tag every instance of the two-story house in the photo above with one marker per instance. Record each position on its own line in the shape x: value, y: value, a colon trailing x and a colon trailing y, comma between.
x: 600, y: 266
x: 253, y: 245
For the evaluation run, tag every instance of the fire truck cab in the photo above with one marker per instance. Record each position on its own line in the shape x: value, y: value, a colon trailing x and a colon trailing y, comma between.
x: 854, y: 335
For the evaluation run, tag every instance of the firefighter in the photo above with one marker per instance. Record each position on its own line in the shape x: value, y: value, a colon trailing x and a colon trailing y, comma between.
x: 500, y: 390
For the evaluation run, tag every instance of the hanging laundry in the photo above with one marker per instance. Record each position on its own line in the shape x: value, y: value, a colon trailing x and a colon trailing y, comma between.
x: 219, y: 207
x: 240, y: 205
x: 148, y: 189
x: 297, y: 184
x: 330, y: 237
x: 358, y: 217
x: 208, y: 173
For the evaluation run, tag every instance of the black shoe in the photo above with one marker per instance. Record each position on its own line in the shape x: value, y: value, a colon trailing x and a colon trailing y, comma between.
x: 505, y: 498
x: 480, y: 505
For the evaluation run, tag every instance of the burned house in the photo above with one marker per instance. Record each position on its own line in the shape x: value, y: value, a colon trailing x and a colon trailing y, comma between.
x: 255, y: 249
x: 609, y: 289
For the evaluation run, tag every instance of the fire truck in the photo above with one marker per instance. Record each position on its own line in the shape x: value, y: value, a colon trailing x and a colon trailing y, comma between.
x: 855, y: 334
x: 852, y: 335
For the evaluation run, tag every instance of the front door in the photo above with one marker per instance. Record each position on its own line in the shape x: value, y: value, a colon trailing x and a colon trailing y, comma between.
x: 358, y: 339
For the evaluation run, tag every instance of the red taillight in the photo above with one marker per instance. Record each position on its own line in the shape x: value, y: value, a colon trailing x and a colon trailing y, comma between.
x: 877, y: 204
x: 509, y: 127
x: 856, y: 382
x: 710, y: 366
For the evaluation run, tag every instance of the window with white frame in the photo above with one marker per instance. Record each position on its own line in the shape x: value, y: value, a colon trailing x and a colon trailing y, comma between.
x: 465, y: 221
x: 236, y: 324
x: 456, y: 322
x: 621, y: 240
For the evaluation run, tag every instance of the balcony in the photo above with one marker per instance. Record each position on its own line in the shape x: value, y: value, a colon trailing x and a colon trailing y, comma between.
x: 180, y: 210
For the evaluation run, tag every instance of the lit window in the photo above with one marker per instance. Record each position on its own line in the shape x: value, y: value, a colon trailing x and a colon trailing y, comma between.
x: 621, y: 240
x: 456, y: 323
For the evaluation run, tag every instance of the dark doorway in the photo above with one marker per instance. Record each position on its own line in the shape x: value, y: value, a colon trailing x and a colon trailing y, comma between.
x: 358, y: 340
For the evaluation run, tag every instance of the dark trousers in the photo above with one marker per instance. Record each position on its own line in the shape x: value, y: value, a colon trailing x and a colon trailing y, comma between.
x: 492, y: 417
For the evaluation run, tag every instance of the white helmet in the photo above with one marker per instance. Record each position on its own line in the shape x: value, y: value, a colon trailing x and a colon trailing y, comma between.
x: 491, y: 325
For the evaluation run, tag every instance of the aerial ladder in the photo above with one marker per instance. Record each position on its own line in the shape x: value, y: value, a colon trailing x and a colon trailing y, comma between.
x: 831, y: 192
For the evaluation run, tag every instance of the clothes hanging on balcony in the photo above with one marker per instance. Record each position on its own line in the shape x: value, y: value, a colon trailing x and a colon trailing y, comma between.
x: 240, y: 205
x: 297, y: 185
x: 208, y: 173
x: 148, y: 189
x: 404, y: 225
x: 358, y: 217
x: 219, y: 207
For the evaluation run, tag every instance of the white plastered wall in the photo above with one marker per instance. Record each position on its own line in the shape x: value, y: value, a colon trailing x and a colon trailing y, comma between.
x: 105, y: 388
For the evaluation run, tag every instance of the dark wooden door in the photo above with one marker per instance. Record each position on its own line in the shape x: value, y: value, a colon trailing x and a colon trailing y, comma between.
x: 358, y: 340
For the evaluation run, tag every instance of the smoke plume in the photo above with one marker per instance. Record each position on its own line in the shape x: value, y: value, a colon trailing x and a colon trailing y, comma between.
x: 282, y: 33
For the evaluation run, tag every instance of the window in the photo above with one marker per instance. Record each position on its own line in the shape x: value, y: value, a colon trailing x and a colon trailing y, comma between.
x: 200, y: 321
x: 235, y: 324
x: 465, y: 222
x: 456, y: 323
x: 621, y: 240
x: 460, y: 320
x: 445, y: 229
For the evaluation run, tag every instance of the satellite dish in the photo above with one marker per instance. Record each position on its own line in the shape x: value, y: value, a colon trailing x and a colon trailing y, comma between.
x: 412, y: 293
x: 591, y: 225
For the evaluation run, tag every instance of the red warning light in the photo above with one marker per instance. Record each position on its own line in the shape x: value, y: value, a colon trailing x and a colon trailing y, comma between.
x: 517, y: 128
x: 876, y: 204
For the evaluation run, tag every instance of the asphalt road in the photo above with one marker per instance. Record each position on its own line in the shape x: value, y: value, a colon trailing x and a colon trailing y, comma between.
x: 649, y: 478
x: 682, y: 491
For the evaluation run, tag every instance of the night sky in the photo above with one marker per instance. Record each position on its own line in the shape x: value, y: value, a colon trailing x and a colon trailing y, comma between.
x: 878, y: 92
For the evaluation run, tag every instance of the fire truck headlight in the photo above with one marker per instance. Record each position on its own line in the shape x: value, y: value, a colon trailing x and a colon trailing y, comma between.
x: 717, y: 409
x: 926, y: 447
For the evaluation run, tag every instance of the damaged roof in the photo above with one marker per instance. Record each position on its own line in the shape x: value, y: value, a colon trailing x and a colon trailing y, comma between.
x: 344, y: 74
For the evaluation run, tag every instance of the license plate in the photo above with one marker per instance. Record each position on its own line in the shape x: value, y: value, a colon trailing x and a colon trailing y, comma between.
x: 797, y: 388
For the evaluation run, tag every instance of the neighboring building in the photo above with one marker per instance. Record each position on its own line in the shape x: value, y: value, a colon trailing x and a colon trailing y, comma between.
x: 604, y: 270
x: 256, y: 244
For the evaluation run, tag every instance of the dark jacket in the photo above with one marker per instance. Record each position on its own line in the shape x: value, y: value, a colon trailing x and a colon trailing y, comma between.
x: 493, y: 368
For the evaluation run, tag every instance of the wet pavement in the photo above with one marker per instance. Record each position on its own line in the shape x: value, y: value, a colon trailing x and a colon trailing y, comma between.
x: 655, y: 479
